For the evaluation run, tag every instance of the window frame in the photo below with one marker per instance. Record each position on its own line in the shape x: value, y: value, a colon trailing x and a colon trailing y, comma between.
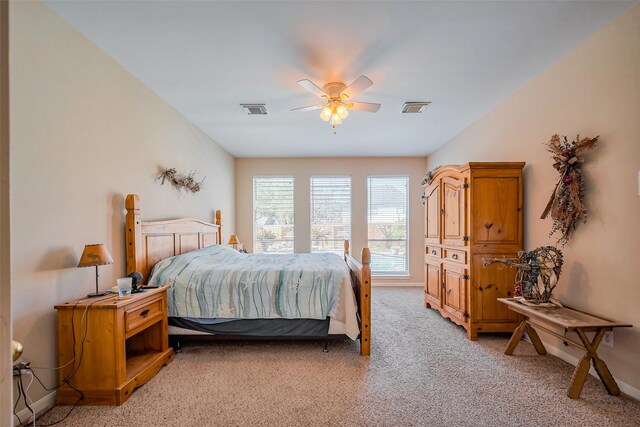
x: 253, y: 213
x: 311, y: 208
x: 391, y: 274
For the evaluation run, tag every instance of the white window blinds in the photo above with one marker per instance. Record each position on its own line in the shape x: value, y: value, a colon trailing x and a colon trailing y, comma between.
x: 330, y: 213
x: 387, y: 224
x: 273, y: 214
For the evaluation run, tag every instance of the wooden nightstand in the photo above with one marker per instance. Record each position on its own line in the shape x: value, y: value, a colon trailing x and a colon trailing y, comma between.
x: 126, y: 344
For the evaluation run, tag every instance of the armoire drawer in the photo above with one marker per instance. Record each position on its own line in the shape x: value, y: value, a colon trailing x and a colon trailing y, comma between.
x: 433, y: 251
x: 455, y: 255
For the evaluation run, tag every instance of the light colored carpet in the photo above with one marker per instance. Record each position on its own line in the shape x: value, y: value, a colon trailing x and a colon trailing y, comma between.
x: 422, y: 372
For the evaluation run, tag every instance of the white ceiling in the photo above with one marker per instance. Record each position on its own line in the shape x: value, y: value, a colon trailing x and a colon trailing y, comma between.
x: 205, y: 58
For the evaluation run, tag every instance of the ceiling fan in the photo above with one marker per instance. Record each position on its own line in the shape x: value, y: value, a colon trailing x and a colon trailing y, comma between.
x: 337, y: 99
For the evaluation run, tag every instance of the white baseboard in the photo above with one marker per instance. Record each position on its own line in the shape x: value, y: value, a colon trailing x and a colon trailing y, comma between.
x: 40, y: 406
x: 377, y: 284
x: 624, y: 387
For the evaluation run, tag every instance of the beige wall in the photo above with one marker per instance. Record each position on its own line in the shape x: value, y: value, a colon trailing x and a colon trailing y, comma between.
x: 85, y: 133
x: 359, y: 168
x: 595, y: 89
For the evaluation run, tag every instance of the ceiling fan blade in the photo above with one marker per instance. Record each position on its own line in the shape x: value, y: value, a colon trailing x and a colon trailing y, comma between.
x: 312, y: 87
x: 360, y: 84
x: 368, y: 107
x: 309, y: 108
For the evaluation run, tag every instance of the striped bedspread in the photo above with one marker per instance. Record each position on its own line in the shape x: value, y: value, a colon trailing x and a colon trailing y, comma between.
x: 219, y: 282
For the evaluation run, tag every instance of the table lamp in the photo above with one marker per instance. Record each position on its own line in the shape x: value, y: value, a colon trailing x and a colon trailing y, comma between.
x: 233, y: 241
x: 93, y: 256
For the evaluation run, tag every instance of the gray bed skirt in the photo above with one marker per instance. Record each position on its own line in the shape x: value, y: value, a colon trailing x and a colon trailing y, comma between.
x: 267, y: 328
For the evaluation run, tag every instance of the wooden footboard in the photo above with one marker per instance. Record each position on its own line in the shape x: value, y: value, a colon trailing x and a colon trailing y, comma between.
x: 361, y: 279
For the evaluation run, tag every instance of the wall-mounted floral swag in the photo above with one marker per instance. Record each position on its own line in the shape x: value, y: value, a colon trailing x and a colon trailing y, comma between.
x: 181, y: 182
x: 567, y: 205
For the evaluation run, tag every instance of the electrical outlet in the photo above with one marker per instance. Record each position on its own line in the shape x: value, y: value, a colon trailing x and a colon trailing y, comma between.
x: 20, y: 367
x: 23, y: 364
x: 607, y: 339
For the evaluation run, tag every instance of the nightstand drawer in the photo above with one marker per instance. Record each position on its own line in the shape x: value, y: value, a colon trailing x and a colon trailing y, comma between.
x: 142, y: 314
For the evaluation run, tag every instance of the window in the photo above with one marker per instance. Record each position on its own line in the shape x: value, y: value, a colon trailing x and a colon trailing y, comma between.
x: 273, y: 214
x: 330, y: 213
x: 387, y: 220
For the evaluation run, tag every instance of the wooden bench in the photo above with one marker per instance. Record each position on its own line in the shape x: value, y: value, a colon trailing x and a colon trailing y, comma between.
x: 566, y: 319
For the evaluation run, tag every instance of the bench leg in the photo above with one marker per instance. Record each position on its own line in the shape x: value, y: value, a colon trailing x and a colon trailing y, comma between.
x: 515, y: 338
x: 579, y: 377
x: 535, y: 340
x: 606, y: 377
x: 599, y: 365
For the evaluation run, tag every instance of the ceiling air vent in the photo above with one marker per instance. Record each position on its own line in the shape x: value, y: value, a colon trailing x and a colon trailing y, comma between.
x: 254, y: 109
x: 414, y: 107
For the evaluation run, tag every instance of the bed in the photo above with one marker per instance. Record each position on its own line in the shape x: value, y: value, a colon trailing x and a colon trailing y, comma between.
x: 329, y: 301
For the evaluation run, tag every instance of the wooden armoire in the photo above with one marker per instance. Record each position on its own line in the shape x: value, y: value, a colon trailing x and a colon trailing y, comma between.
x: 472, y: 211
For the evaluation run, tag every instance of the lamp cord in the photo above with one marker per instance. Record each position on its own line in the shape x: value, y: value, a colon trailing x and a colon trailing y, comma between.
x: 27, y: 399
x: 16, y: 405
x: 73, y: 334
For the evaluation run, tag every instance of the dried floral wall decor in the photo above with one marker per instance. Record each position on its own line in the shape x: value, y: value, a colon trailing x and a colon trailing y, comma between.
x: 181, y: 182
x: 566, y: 205
x: 538, y: 272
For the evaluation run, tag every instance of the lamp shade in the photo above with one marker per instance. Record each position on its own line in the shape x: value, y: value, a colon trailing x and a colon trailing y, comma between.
x: 233, y: 240
x: 94, y: 255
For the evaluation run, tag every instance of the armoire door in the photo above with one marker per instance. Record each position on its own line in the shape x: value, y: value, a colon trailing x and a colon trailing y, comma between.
x: 432, y: 213
x: 488, y: 284
x: 432, y: 281
x: 453, y: 209
x: 497, y: 210
x: 454, y: 289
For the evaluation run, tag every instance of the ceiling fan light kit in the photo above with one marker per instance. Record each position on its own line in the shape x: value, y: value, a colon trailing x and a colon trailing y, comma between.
x: 335, y: 107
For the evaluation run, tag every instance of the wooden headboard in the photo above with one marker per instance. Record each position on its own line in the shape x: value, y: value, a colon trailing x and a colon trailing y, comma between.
x: 149, y: 242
